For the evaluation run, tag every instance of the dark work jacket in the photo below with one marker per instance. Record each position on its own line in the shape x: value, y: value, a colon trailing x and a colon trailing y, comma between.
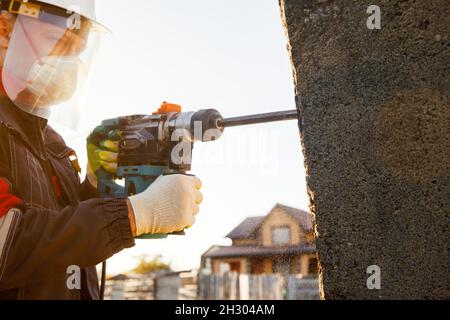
x: 58, y: 227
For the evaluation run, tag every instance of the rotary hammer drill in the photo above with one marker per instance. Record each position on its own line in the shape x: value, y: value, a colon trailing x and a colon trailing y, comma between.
x: 161, y: 144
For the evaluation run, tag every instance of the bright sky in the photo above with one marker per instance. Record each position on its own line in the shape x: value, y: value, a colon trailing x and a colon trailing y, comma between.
x: 225, y: 54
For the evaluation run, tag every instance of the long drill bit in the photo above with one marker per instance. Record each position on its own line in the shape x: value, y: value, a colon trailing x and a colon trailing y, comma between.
x: 259, y: 118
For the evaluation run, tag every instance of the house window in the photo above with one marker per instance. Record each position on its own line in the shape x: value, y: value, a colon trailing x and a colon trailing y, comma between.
x: 281, y: 235
x: 224, y: 267
x: 208, y: 264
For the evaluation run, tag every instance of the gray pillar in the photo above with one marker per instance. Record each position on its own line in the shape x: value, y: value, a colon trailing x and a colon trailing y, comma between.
x: 376, y: 140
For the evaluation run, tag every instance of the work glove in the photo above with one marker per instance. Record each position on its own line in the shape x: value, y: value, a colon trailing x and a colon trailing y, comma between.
x: 102, y: 155
x: 169, y: 205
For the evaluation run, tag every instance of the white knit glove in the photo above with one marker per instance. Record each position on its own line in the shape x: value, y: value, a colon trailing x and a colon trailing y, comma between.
x: 168, y: 205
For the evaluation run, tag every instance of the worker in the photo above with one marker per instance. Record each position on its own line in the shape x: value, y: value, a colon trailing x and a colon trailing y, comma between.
x: 50, y: 222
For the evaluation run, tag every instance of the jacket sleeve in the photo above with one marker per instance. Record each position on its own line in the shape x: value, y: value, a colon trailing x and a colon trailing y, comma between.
x: 88, y: 191
x: 38, y: 243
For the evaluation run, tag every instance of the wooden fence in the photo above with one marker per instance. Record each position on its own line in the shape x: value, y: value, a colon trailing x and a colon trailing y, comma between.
x: 234, y: 286
x: 130, y: 289
x: 164, y: 286
x: 229, y: 286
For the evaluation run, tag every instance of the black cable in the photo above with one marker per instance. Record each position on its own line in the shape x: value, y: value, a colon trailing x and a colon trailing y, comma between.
x: 102, y: 284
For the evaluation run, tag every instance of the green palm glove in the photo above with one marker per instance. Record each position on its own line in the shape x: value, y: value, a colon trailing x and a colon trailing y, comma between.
x: 104, y: 155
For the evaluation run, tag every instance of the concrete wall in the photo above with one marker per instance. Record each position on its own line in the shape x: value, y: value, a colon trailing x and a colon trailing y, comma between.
x: 376, y: 137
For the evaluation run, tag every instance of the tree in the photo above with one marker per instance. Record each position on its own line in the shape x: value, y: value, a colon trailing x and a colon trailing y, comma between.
x: 149, y: 265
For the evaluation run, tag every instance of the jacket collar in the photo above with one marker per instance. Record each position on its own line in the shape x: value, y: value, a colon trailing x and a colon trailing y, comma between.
x: 29, y: 127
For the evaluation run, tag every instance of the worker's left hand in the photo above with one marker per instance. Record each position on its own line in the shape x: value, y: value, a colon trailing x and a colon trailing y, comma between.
x: 104, y: 155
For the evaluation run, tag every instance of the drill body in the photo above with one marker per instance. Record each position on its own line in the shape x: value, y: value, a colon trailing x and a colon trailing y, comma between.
x: 153, y: 145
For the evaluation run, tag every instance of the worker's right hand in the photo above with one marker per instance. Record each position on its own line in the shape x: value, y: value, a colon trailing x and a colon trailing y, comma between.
x: 169, y: 205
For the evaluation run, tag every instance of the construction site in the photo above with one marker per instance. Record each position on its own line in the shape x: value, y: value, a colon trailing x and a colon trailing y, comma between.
x: 225, y: 150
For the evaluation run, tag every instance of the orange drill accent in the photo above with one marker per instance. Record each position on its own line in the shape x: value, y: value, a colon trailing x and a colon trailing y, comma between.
x: 167, y: 108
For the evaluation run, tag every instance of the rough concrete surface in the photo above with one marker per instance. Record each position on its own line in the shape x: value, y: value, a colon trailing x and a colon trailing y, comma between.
x: 375, y: 129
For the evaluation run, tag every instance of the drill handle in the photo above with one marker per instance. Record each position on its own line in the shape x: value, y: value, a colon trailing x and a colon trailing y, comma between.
x: 107, y: 187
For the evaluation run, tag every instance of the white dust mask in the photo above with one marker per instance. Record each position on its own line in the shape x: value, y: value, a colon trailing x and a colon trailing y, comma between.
x: 54, y: 79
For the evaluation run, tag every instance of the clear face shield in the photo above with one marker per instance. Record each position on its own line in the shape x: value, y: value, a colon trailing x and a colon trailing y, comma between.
x: 47, y: 63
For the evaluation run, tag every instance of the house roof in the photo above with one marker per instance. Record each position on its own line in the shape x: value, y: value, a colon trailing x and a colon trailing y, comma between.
x: 246, y: 228
x: 303, y: 217
x: 119, y: 277
x: 250, y: 225
x: 248, y: 251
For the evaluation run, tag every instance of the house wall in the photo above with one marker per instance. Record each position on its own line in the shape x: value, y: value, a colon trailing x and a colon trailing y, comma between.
x: 244, y: 242
x: 216, y: 264
x: 310, y: 237
x: 304, y: 263
x: 295, y: 265
x: 279, y: 218
x: 299, y: 264
x: 268, y: 266
x: 375, y: 119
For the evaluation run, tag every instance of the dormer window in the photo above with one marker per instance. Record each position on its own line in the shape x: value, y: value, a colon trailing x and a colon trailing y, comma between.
x: 281, y: 235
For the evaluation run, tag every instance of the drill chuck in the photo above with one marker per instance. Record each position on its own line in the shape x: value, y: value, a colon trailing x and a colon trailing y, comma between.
x: 203, y: 125
x: 209, y: 121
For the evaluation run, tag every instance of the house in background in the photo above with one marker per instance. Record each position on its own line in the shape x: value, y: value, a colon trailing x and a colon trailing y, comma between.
x: 280, y: 242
